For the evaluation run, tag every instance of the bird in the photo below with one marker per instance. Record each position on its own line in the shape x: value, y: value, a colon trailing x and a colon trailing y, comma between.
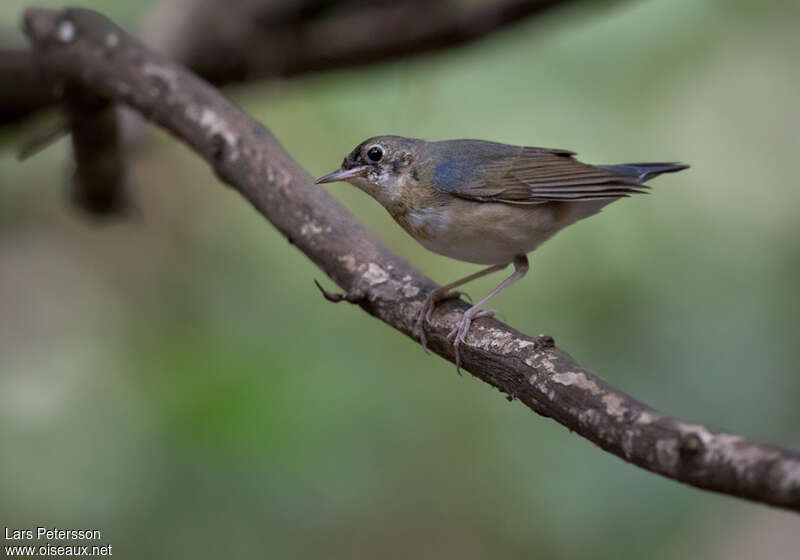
x: 484, y: 202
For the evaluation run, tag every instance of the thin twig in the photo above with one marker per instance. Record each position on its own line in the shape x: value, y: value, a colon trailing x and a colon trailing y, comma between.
x: 43, y: 140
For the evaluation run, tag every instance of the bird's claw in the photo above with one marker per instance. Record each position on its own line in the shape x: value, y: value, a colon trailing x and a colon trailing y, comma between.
x: 426, y: 313
x: 430, y: 304
x: 459, y: 333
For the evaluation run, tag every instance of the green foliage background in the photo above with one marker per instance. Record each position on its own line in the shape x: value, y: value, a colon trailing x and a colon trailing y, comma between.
x: 176, y: 380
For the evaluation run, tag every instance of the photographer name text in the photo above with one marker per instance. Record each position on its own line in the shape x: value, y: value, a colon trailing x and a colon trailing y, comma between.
x: 53, y: 534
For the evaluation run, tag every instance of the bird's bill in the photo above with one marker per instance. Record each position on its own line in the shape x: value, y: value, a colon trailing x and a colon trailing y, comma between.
x: 343, y: 175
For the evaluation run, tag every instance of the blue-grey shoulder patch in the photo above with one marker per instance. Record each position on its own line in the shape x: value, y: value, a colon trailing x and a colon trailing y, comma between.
x: 453, y: 175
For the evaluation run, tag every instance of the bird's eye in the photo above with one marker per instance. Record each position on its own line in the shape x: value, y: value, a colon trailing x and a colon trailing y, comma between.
x: 375, y: 153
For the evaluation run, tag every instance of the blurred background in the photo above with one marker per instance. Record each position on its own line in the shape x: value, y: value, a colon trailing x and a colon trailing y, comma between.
x: 175, y: 379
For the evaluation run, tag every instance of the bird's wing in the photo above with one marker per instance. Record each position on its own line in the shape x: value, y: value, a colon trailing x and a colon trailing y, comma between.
x: 532, y: 176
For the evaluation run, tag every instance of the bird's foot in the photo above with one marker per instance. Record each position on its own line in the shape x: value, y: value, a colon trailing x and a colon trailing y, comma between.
x: 459, y: 334
x: 426, y: 313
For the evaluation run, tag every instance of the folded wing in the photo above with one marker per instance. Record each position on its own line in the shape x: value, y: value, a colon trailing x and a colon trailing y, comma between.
x: 527, y: 175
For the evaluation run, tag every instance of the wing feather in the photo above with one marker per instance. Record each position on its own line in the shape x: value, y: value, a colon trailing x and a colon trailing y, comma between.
x: 527, y: 175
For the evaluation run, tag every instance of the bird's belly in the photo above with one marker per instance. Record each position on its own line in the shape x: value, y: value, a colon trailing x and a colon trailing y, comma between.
x: 483, y: 232
x: 482, y: 251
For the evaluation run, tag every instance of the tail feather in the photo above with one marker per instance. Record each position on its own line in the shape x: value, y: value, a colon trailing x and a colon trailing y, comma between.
x: 645, y: 171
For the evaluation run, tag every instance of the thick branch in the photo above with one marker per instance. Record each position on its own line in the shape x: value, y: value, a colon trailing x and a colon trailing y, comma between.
x: 84, y: 47
x: 261, y: 38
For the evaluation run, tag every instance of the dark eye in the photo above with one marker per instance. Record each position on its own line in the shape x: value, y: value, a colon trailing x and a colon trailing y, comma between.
x: 375, y: 153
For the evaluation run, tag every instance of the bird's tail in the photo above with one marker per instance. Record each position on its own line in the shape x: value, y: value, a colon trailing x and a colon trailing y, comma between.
x: 645, y: 171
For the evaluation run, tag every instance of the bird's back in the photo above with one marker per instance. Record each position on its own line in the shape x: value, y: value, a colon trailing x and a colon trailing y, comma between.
x: 492, y: 172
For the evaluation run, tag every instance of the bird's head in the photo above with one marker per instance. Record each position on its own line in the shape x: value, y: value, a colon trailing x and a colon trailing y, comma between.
x: 384, y: 167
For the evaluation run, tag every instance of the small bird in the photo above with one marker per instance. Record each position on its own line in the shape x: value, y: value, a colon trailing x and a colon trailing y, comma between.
x: 484, y: 202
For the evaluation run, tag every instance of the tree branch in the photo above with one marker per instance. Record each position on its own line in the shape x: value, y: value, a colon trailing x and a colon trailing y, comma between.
x: 79, y: 46
x: 228, y: 42
x: 267, y: 39
x: 22, y: 91
x: 100, y: 178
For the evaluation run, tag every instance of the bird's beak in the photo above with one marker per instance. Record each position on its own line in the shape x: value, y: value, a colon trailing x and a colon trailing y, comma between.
x: 343, y: 175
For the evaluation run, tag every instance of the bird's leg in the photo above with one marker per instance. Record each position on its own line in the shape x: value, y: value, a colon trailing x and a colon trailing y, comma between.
x: 459, y: 333
x: 442, y: 293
